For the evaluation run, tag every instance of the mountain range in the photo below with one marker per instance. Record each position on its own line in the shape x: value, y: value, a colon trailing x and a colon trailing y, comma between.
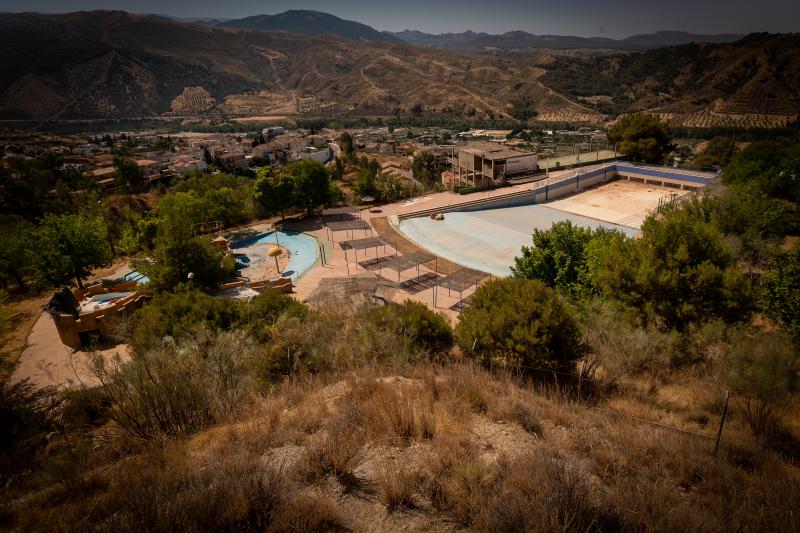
x: 311, y: 23
x: 114, y: 64
x: 520, y: 41
x: 308, y: 22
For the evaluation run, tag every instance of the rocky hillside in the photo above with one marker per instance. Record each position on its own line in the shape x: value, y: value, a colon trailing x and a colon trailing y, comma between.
x: 114, y: 64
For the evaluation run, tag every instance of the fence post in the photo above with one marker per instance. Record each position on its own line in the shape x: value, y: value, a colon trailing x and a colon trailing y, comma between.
x: 580, y: 378
x: 722, y: 421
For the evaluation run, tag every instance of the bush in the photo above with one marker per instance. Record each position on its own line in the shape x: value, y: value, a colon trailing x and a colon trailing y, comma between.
x: 176, y: 388
x: 780, y: 289
x: 330, y: 339
x: 25, y: 422
x: 262, y: 311
x: 563, y: 257
x: 426, y: 330
x: 520, y: 323
x: 680, y: 272
x: 173, y: 261
x: 763, y: 368
x: 178, y: 314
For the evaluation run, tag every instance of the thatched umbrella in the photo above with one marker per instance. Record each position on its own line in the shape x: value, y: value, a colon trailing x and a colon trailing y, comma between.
x: 275, y: 252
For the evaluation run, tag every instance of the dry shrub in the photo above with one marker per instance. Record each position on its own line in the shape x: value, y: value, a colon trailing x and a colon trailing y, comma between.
x: 618, y: 347
x: 330, y: 340
x: 165, y: 492
x: 336, y: 452
x: 397, y: 485
x: 522, y: 414
x: 177, y: 388
x: 542, y: 492
x: 393, y: 411
x: 450, y: 478
x: 302, y: 512
x: 497, y: 396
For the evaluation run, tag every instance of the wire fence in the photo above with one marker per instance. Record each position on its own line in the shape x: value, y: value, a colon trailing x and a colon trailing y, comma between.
x: 580, y: 377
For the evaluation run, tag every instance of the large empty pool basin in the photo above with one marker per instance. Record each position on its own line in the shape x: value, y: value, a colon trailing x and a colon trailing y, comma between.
x: 490, y: 239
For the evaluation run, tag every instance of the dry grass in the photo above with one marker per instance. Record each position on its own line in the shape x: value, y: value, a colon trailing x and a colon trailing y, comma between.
x: 17, y: 319
x: 454, y: 444
x: 398, y: 484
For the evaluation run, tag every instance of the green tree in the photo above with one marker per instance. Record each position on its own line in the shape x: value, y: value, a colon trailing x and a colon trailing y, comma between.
x: 680, y: 271
x: 338, y: 170
x: 179, y: 251
x: 415, y: 323
x: 224, y: 205
x: 561, y: 257
x: 312, y: 183
x: 763, y: 369
x: 519, y: 323
x: 780, y: 289
x: 523, y: 108
x: 364, y: 185
x: 424, y: 167
x: 718, y: 153
x: 69, y: 247
x: 774, y: 166
x: 275, y: 193
x: 347, y: 147
x: 14, y: 250
x: 642, y: 137
x: 129, y: 175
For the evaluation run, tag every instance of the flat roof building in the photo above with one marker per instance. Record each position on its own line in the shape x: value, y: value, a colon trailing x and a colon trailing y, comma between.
x: 486, y: 163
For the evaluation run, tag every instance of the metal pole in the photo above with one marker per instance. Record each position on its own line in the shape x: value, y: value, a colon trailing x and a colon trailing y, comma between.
x: 722, y: 421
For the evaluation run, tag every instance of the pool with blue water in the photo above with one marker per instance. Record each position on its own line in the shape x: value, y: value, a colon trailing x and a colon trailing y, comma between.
x: 302, y: 248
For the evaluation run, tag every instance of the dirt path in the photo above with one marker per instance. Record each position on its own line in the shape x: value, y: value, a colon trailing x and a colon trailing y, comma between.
x: 47, y: 362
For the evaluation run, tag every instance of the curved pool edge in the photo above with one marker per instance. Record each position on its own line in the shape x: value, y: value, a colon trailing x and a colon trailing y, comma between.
x: 298, y: 262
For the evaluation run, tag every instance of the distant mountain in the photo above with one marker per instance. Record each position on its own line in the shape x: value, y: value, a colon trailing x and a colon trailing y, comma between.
x: 311, y: 23
x: 660, y: 39
x: 206, y: 21
x: 112, y: 64
x: 470, y: 42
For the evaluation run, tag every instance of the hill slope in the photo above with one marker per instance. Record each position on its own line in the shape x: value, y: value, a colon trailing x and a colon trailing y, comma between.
x: 114, y: 64
x: 754, y: 81
x: 311, y: 23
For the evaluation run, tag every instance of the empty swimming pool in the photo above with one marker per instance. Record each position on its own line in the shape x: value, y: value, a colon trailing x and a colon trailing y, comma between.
x: 489, y: 240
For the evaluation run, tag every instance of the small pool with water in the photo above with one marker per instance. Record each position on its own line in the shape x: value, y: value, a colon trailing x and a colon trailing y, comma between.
x: 302, y: 249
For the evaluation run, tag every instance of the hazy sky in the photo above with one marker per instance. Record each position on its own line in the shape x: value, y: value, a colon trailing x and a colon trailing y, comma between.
x: 612, y: 18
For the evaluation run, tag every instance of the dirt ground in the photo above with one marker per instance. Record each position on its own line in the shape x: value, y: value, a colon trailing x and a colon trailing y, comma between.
x: 32, y: 344
x: 619, y: 202
x: 46, y: 362
x: 18, y: 318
